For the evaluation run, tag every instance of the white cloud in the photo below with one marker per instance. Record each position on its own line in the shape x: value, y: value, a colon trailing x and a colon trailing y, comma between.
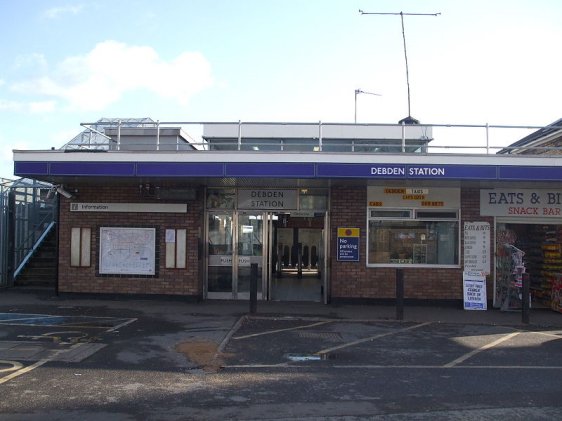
x: 57, y: 12
x: 42, y: 106
x: 101, y: 77
x: 6, y: 105
x: 33, y: 63
x: 32, y: 107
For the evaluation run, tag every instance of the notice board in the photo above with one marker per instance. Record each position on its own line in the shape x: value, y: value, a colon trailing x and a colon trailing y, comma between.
x: 474, y: 291
x: 127, y: 251
x: 477, y: 247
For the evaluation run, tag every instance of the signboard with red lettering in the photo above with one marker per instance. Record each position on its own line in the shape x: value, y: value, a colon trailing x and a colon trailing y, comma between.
x: 521, y: 202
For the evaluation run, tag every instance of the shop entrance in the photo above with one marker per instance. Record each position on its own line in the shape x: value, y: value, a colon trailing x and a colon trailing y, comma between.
x: 287, y: 249
x: 533, y: 251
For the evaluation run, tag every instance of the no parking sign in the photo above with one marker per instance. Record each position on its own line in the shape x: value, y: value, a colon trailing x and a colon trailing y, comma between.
x: 348, y: 244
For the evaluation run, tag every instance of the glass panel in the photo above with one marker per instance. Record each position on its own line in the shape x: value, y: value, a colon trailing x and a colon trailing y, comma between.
x: 413, y: 242
x: 331, y: 145
x: 220, y: 198
x: 300, y: 145
x: 313, y: 199
x: 220, y: 253
x: 250, y: 249
x: 391, y: 214
x: 261, y: 144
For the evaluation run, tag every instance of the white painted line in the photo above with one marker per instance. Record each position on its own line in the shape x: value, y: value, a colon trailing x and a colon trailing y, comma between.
x: 271, y: 332
x: 441, y: 367
x: 482, y: 348
x: 281, y: 365
x: 371, y: 338
x: 119, y: 326
x: 395, y: 367
x: 231, y: 333
x: 14, y: 366
x: 549, y: 334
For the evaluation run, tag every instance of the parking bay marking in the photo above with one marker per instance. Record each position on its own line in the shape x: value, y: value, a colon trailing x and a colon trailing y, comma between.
x: 470, y: 354
x: 46, y: 320
x: 92, y: 322
x: 271, y: 332
x: 370, y: 338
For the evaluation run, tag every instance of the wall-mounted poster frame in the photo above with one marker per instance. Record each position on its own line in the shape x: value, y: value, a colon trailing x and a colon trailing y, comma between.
x: 127, y: 251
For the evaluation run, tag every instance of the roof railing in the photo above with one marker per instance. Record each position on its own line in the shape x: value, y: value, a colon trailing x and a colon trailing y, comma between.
x: 318, y: 137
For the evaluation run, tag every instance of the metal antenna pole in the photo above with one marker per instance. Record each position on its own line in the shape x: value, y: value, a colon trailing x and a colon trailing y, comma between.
x: 360, y: 91
x: 404, y: 41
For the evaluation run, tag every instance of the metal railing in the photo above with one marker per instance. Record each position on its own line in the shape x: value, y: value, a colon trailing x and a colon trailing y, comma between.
x: 28, y: 214
x: 314, y: 137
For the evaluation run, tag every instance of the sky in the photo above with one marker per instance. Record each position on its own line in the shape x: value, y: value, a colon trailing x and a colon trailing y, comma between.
x: 68, y: 62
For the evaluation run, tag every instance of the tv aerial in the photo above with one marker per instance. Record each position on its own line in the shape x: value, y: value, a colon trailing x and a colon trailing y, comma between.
x: 408, y: 119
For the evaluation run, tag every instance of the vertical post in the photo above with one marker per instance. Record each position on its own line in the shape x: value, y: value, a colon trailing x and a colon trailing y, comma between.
x: 57, y: 240
x: 11, y: 254
x: 487, y: 139
x: 399, y: 294
x: 320, y: 135
x: 119, y: 135
x: 239, y: 135
x: 157, y: 135
x: 299, y: 261
x: 253, y: 287
x: 403, y: 136
x: 525, y: 302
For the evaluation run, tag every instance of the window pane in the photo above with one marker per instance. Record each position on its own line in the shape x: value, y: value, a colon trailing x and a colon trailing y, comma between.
x: 413, y: 242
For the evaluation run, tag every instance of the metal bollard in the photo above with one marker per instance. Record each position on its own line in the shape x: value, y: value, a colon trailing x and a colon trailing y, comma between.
x: 525, y: 301
x: 399, y: 294
x: 253, y: 287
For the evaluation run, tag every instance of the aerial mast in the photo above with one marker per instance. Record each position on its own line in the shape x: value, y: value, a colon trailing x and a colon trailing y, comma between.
x: 402, y: 14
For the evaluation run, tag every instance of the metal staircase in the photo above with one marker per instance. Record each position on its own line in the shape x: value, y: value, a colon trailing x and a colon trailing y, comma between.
x: 28, y: 251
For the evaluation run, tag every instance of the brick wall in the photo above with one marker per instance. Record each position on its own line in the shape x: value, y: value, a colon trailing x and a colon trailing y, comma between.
x: 167, y: 281
x: 353, y: 280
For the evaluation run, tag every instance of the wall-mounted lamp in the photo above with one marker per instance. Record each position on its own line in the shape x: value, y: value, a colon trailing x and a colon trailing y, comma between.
x: 61, y: 190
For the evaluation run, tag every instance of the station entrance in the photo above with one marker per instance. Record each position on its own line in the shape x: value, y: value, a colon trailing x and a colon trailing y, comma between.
x: 288, y: 249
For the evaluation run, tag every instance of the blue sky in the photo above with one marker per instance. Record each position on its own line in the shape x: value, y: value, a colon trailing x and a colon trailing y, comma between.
x: 67, y: 62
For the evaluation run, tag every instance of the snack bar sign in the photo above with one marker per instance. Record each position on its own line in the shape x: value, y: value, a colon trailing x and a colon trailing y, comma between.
x: 521, y: 202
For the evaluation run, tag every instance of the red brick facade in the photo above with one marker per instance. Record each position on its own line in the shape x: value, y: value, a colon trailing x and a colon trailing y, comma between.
x: 354, y: 280
x: 348, y: 280
x: 186, y: 281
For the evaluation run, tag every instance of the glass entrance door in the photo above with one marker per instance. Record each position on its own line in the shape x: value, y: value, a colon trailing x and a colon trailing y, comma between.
x: 250, y: 250
x: 235, y: 241
x: 220, y: 253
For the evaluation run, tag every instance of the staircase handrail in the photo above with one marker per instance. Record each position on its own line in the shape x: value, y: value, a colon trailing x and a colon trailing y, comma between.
x: 34, y: 248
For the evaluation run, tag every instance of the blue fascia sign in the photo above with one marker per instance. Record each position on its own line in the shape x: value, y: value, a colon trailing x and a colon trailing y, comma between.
x: 407, y: 171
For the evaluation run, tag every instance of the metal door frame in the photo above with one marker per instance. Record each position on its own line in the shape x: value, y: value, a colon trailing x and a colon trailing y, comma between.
x: 235, y: 295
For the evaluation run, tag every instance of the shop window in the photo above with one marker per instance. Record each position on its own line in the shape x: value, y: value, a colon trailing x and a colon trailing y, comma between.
x: 176, y: 248
x: 406, y: 237
x: 80, y: 245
